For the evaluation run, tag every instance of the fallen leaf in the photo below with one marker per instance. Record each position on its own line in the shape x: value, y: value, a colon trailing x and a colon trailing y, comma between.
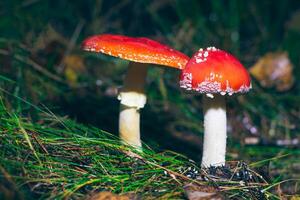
x: 111, y: 196
x: 202, y: 192
x: 274, y: 70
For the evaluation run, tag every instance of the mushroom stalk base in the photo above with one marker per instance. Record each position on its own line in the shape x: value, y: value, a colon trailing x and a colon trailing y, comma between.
x: 214, y: 146
x: 129, y: 126
x: 132, y: 99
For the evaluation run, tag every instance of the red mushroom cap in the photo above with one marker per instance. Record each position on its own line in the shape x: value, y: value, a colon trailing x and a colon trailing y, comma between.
x: 215, y: 71
x: 141, y: 50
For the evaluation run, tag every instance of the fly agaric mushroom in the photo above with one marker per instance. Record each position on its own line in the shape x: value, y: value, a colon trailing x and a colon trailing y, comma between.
x: 215, y: 73
x: 139, y: 51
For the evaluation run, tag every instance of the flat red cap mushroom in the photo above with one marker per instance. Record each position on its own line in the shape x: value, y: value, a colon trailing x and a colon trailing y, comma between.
x: 215, y: 73
x: 132, y: 97
x: 142, y: 50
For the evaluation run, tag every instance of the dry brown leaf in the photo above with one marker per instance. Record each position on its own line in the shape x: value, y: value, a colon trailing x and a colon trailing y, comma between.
x: 202, y: 192
x: 274, y: 70
x: 110, y: 196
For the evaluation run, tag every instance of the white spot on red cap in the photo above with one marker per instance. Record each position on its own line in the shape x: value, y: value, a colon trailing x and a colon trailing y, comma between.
x: 186, y: 81
x: 205, y: 54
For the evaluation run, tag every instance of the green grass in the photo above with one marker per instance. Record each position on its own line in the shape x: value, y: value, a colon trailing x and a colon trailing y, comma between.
x: 62, y: 158
x: 57, y: 158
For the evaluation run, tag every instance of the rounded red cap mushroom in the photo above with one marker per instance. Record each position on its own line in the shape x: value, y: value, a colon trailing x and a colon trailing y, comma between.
x: 212, y: 70
x: 138, y: 49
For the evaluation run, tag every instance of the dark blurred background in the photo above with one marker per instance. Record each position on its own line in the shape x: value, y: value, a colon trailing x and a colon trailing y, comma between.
x: 40, y: 54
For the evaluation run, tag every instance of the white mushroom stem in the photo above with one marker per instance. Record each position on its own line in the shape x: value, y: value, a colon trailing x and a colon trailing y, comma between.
x: 132, y: 99
x: 214, y: 146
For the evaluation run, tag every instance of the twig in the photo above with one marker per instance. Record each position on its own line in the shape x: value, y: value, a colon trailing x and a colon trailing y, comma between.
x: 39, y: 68
x: 40, y: 143
x: 4, y: 52
x: 29, y: 3
x: 71, y: 44
x: 36, y: 66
